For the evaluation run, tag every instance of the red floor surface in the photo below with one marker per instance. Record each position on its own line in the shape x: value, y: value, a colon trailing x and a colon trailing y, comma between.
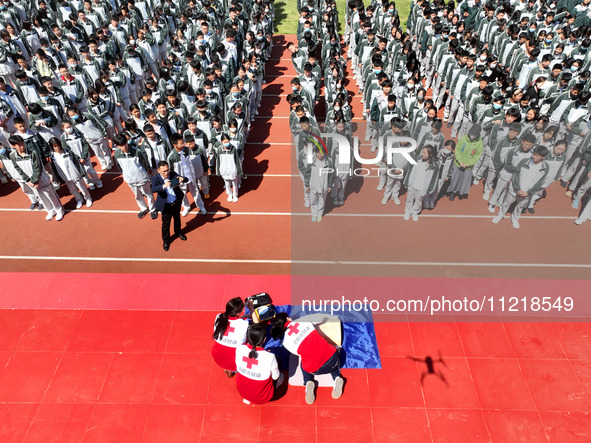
x: 125, y: 357
x: 96, y: 375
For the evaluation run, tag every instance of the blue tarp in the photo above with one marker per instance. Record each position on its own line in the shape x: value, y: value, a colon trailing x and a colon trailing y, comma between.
x: 359, y: 347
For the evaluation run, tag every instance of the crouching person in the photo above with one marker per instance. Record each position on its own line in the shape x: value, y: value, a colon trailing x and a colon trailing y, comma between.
x: 257, y: 372
x: 317, y: 355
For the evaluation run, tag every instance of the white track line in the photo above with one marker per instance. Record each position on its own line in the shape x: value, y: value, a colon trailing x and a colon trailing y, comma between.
x: 295, y: 262
x: 307, y: 214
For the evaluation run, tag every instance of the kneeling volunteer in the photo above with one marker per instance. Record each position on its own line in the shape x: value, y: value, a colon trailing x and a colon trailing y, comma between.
x: 257, y: 370
x: 229, y: 333
x: 317, y: 354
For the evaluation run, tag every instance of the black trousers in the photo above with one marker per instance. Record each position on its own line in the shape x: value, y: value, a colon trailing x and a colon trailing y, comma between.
x: 171, y: 210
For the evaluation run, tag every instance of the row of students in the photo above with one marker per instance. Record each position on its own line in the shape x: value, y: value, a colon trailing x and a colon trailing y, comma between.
x: 147, y: 72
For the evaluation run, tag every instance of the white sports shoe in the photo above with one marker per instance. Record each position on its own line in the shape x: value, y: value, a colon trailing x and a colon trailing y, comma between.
x: 234, y: 199
x: 185, y: 211
x: 88, y: 203
x: 78, y: 204
x: 515, y: 223
x: 415, y: 217
x: 60, y: 215
x: 50, y: 215
x: 396, y: 201
x: 310, y: 396
x: 229, y: 198
x: 497, y: 219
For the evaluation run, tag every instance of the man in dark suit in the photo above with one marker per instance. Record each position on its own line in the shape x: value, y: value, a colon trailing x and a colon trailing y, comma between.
x: 168, y: 200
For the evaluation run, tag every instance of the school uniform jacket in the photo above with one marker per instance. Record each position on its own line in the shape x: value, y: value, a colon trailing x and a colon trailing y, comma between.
x: 302, y: 339
x: 224, y: 348
x: 30, y: 168
x: 133, y: 165
x: 529, y: 176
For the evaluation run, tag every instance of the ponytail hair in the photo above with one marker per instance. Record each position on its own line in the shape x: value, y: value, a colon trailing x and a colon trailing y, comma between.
x: 233, y: 308
x: 256, y: 335
x: 278, y: 325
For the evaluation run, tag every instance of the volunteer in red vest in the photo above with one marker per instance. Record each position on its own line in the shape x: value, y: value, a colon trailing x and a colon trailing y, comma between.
x: 317, y: 355
x: 257, y: 370
x: 229, y: 333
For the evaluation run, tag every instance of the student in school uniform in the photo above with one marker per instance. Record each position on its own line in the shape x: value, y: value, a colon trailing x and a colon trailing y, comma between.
x: 513, y: 158
x: 421, y: 181
x: 95, y: 132
x: 198, y: 157
x: 445, y: 160
x: 528, y: 177
x: 134, y: 168
x: 499, y: 153
x: 388, y: 180
x: 257, y: 371
x: 29, y: 165
x: 68, y: 166
x: 12, y: 173
x: 555, y: 160
x: 180, y: 162
x: 228, y: 166
x: 76, y: 142
x: 317, y: 355
x: 343, y: 168
x: 229, y: 332
x: 318, y: 180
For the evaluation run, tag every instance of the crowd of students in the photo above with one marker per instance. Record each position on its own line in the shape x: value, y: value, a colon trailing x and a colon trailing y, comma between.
x: 134, y: 83
x: 510, y: 80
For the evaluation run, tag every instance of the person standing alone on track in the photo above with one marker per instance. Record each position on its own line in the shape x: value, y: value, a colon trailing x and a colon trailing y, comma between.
x: 168, y: 201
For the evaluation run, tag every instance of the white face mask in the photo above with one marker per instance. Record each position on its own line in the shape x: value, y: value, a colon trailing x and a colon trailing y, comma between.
x: 233, y: 130
x: 446, y: 151
x: 132, y: 42
x: 69, y: 130
x: 337, y: 108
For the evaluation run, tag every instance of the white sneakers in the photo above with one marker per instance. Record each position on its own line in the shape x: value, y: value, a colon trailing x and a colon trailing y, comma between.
x: 337, y: 391
x: 88, y: 203
x: 415, y: 217
x: 385, y: 200
x: 50, y: 215
x: 185, y: 211
x: 497, y: 219
x: 203, y: 211
x: 310, y: 396
x: 60, y: 215
x: 78, y: 204
x: 491, y: 209
x: 396, y: 200
x: 229, y: 198
x: 234, y: 199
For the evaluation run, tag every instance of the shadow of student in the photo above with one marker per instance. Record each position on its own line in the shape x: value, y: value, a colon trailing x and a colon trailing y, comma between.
x: 215, y: 213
